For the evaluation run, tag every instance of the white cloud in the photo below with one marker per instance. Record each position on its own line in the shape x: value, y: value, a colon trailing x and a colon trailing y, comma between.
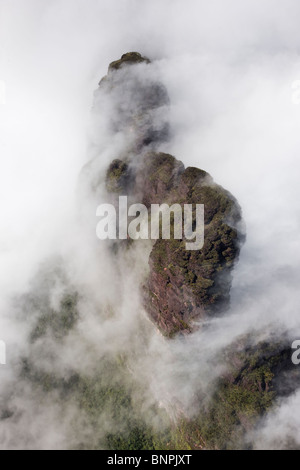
x: 229, y: 69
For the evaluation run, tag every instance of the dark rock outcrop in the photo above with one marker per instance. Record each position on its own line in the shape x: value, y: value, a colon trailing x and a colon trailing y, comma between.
x: 188, y: 285
x: 183, y: 286
x: 137, y: 103
x: 128, y: 59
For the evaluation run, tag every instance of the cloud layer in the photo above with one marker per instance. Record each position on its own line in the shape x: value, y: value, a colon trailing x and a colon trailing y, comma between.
x: 229, y: 71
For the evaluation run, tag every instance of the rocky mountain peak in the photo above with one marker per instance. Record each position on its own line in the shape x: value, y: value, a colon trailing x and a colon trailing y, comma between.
x: 183, y: 287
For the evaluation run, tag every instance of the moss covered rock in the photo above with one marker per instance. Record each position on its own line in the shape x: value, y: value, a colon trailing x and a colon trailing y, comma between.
x: 128, y: 59
x: 184, y: 286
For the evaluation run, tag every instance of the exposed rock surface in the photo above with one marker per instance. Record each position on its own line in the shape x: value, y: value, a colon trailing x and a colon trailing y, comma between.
x: 137, y: 102
x: 127, y: 59
x: 183, y: 286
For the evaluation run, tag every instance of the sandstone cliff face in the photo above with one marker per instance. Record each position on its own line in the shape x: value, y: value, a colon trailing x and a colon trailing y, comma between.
x: 183, y: 286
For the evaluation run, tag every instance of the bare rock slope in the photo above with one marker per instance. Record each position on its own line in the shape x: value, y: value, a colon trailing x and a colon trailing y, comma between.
x: 183, y: 286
